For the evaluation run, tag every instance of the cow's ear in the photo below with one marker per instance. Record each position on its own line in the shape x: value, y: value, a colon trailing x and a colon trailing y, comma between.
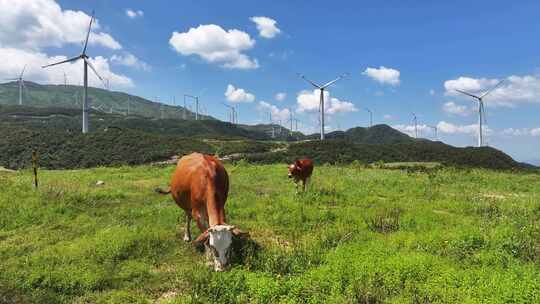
x: 240, y: 233
x: 201, y: 239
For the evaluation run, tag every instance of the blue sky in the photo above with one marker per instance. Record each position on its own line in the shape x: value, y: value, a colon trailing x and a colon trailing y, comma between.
x: 401, y: 56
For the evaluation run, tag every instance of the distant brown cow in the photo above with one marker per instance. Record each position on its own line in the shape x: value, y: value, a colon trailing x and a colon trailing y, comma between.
x: 301, y: 170
x: 200, y: 186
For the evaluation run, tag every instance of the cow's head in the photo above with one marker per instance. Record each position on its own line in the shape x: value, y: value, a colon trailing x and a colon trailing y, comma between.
x: 295, y: 168
x: 218, y: 240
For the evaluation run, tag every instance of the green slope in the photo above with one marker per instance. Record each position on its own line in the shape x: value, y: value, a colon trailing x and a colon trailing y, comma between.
x: 118, y: 139
x: 61, y: 96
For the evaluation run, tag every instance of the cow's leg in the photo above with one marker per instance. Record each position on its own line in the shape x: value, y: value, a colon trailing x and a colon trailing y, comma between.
x: 296, y: 186
x: 187, y: 231
x: 306, y: 181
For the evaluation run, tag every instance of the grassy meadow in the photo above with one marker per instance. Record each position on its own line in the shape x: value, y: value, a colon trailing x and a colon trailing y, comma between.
x: 357, y: 236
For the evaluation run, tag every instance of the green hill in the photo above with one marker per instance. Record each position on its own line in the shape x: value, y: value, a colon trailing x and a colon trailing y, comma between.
x: 378, y: 134
x: 125, y: 140
x: 61, y: 96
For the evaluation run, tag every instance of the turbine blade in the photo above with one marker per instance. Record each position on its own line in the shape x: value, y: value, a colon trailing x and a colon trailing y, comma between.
x: 463, y: 92
x: 22, y: 73
x: 333, y: 81
x: 309, y: 81
x: 88, y: 34
x: 492, y: 89
x: 67, y: 60
x: 94, y: 69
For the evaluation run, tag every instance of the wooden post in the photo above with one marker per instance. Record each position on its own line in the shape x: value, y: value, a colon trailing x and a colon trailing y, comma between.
x: 35, y: 167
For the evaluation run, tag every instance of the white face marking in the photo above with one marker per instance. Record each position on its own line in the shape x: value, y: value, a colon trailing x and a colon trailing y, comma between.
x: 291, y: 169
x: 220, y: 241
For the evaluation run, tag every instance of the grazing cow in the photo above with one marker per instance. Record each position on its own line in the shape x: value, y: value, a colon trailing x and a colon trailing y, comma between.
x: 301, y: 170
x: 200, y: 185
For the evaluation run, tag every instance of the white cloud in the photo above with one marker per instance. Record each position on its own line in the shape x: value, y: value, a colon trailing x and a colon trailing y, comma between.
x: 134, y: 14
x: 521, y: 132
x: 514, y: 91
x: 308, y: 101
x: 266, y: 26
x: 130, y: 60
x: 215, y: 45
x: 383, y: 75
x: 35, y: 24
x: 54, y: 75
x: 449, y: 128
x: 277, y: 113
x: 388, y: 117
x: 453, y: 108
x: 410, y: 129
x: 237, y: 95
x: 280, y: 96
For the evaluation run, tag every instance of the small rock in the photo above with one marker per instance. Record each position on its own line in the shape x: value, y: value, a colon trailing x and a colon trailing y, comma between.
x: 100, y: 183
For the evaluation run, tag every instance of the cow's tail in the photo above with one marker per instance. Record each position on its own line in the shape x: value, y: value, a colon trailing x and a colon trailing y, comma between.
x: 161, y: 191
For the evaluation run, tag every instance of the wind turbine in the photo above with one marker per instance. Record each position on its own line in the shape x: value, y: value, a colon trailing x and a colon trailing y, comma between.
x: 415, y: 119
x: 196, y: 98
x: 435, y: 130
x: 21, y: 84
x: 322, y: 88
x: 370, y: 117
x: 232, y: 113
x: 481, y: 111
x: 65, y: 78
x: 84, y: 58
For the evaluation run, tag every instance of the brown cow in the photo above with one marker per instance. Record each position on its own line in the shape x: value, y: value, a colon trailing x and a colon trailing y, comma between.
x: 200, y: 185
x: 301, y: 170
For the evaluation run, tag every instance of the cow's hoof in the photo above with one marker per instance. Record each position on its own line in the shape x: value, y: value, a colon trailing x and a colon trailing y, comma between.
x: 186, y: 238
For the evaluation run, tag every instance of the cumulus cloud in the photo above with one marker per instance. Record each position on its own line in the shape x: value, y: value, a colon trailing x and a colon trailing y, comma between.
x: 54, y: 75
x: 36, y: 24
x: 277, y: 113
x: 455, y: 109
x: 237, y: 95
x: 521, y: 132
x: 130, y: 60
x: 308, y: 101
x: 449, y: 128
x: 383, y: 75
x: 410, y: 129
x: 443, y: 127
x: 514, y: 91
x: 266, y: 26
x: 280, y: 96
x: 29, y: 26
x: 216, y: 45
x: 134, y: 14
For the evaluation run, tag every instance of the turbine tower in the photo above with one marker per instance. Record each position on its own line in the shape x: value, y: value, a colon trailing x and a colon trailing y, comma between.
x: 415, y: 120
x: 370, y: 117
x: 434, y: 130
x: 322, y: 88
x: 481, y: 111
x: 84, y: 58
x: 21, y: 84
x: 196, y: 98
x: 232, y: 113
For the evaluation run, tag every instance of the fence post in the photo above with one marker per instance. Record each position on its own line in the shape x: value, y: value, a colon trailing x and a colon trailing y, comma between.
x: 35, y: 167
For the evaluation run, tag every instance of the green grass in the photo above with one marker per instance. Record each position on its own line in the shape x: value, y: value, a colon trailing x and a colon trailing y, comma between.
x: 358, y: 236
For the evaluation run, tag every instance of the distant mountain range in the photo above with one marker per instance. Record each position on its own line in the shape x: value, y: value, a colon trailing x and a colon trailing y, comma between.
x: 51, y: 120
x: 61, y: 96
